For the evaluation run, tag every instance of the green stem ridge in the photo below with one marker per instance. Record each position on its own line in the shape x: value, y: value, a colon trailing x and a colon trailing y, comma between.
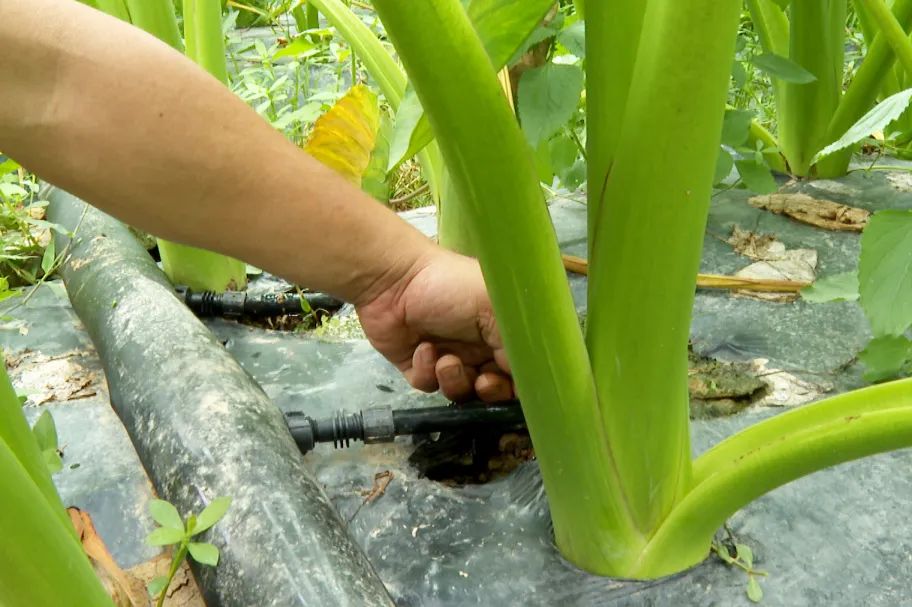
x: 650, y: 237
x: 476, y: 130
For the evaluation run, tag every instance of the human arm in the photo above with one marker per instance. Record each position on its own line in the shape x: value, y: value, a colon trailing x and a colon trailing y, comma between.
x: 118, y: 118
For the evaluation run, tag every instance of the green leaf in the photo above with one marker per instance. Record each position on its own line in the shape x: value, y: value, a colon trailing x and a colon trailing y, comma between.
x: 783, y: 68
x: 211, y: 514
x: 745, y: 554
x: 548, y: 98
x: 157, y: 585
x: 738, y: 74
x: 543, y: 163
x: 7, y: 165
x: 204, y: 553
x: 736, y: 127
x: 756, y: 176
x: 300, y: 47
x: 836, y: 287
x: 885, y: 272
x: 45, y: 431
x: 504, y: 25
x: 574, y: 39
x: 47, y: 259
x: 877, y: 119
x: 164, y: 536
x: 885, y: 357
x: 165, y: 514
x: 52, y: 460
x: 411, y: 130
x: 374, y: 180
x: 754, y: 591
x: 563, y: 153
x: 724, y: 165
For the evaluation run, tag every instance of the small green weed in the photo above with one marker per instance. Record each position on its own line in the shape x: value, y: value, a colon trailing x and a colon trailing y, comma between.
x: 174, y: 531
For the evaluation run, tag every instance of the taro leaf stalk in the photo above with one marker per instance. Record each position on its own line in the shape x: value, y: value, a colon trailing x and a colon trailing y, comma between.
x: 609, y: 424
x: 41, y: 559
x: 196, y: 268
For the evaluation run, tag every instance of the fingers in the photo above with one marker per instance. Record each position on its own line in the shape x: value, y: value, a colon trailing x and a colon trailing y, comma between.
x: 493, y: 387
x: 457, y: 382
x: 422, y: 375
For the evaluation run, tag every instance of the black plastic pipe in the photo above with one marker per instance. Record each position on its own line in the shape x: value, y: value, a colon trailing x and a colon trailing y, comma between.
x: 203, y: 428
x: 238, y: 303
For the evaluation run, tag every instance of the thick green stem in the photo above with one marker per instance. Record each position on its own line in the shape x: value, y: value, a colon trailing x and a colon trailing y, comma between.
x: 612, y: 39
x: 892, y: 31
x: 476, y: 130
x: 650, y: 234
x: 837, y: 430
x: 816, y: 44
x: 862, y: 92
x: 203, y: 33
x: 41, y: 558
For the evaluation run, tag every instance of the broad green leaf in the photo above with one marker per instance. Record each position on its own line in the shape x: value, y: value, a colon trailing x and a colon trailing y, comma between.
x: 344, y: 137
x: 300, y: 47
x: 738, y: 74
x: 745, y: 554
x: 211, y: 514
x: 783, y: 68
x: 574, y: 39
x: 165, y: 514
x: 563, y: 153
x: 47, y: 259
x: 204, y: 553
x: 885, y: 273
x: 783, y: 4
x: 885, y: 357
x: 736, y: 127
x: 548, y: 98
x: 45, y: 431
x: 164, y: 536
x: 836, y: 287
x: 724, y: 165
x: 756, y: 176
x: 411, y: 130
x: 157, y: 585
x: 503, y: 25
x: 754, y: 591
x: 374, y: 181
x: 877, y: 119
x: 543, y: 163
x: 575, y: 176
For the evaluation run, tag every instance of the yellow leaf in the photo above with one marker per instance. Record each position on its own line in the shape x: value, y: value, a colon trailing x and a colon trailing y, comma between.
x: 344, y: 137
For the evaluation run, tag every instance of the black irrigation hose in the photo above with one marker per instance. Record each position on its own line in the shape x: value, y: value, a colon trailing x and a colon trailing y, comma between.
x: 203, y: 428
x: 383, y: 424
x: 233, y: 304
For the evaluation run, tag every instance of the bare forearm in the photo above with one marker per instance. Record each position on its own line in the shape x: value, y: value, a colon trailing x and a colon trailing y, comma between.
x: 123, y: 121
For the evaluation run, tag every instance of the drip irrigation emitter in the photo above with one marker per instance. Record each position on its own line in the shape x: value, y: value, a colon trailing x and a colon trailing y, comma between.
x: 383, y: 424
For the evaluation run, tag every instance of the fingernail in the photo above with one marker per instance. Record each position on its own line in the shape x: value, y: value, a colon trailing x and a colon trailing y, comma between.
x: 427, y: 356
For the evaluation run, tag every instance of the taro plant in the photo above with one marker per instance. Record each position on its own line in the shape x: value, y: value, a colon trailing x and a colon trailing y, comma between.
x: 196, y: 268
x: 42, y: 561
x: 804, y: 50
x: 607, y: 407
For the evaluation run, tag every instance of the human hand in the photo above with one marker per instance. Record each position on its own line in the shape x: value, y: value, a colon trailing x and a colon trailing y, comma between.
x: 437, y: 326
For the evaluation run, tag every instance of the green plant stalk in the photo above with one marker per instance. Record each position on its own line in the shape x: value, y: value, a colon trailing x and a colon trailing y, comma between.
x: 612, y: 39
x: 816, y: 44
x: 892, y: 32
x: 862, y: 92
x: 204, y: 39
x: 41, y: 559
x: 476, y: 130
x: 179, y: 555
x: 645, y: 260
x: 115, y: 8
x: 822, y: 443
x: 184, y: 265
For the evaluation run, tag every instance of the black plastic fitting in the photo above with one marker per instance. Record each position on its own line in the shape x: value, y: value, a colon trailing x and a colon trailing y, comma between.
x: 234, y: 304
x: 383, y: 424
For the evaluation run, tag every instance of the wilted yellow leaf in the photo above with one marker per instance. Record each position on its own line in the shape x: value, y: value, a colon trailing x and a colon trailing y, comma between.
x: 344, y: 137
